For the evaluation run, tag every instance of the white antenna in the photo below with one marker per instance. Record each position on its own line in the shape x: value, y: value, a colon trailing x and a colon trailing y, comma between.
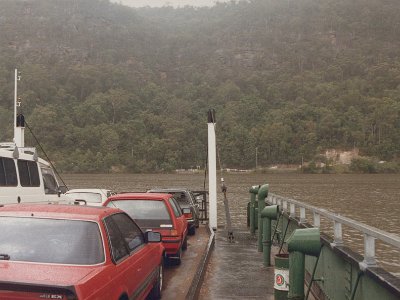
x: 19, y: 125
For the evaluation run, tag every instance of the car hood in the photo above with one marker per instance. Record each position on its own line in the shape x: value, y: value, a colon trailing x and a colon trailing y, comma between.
x: 46, y: 274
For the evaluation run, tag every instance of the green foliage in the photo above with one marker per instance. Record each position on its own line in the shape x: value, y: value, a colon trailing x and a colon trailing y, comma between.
x: 363, y: 165
x: 106, y: 87
x: 310, y: 168
x: 388, y: 167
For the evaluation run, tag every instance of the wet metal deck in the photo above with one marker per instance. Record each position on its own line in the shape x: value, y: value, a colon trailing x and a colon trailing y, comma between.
x: 179, y: 279
x: 236, y: 271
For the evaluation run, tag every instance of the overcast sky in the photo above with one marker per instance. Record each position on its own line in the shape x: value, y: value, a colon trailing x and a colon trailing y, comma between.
x: 175, y: 3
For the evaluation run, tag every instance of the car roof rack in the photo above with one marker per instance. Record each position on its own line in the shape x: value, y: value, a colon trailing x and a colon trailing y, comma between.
x: 19, y: 150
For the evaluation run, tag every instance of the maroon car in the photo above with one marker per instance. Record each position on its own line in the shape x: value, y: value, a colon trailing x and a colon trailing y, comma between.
x: 156, y: 212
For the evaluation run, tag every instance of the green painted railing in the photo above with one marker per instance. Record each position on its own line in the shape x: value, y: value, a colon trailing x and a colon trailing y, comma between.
x: 338, y: 272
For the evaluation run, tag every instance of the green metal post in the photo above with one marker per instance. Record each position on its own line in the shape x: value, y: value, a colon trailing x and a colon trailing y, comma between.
x: 253, y: 192
x: 296, y: 287
x: 267, y: 241
x: 268, y: 213
x: 262, y: 194
x: 302, y: 242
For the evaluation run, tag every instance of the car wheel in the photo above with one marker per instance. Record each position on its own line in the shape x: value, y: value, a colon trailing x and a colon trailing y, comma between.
x: 184, y: 244
x: 155, y: 292
x: 192, y: 230
x: 178, y: 258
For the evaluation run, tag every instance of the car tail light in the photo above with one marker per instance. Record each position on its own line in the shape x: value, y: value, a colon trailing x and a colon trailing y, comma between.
x: 174, y: 232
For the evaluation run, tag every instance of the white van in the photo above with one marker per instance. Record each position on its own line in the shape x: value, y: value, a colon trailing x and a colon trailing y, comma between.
x: 26, y: 178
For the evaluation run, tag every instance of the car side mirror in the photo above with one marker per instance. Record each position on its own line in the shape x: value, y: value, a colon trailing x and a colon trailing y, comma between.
x: 152, y: 237
x: 62, y: 189
x: 186, y: 210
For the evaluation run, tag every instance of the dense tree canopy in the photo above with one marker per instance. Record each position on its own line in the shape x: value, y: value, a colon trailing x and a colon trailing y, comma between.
x: 106, y: 87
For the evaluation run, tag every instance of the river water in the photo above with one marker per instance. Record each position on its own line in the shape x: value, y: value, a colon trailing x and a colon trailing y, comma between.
x: 371, y: 199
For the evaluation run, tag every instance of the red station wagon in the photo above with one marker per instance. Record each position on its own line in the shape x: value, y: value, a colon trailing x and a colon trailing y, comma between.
x: 76, y: 252
x: 159, y: 212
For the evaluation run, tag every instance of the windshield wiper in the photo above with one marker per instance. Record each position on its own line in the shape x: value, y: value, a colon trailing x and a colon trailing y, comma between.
x: 4, y: 257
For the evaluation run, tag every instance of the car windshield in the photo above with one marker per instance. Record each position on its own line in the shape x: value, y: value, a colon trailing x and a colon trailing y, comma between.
x: 88, y: 196
x: 51, y: 241
x: 147, y: 213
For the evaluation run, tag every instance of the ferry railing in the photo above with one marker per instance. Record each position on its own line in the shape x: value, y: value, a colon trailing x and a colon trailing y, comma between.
x: 202, y: 200
x: 370, y: 233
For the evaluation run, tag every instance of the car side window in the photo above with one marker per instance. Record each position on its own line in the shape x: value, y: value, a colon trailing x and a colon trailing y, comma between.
x: 8, y: 173
x: 175, y: 207
x: 49, y: 182
x: 131, y: 233
x: 118, y: 246
x: 28, y: 173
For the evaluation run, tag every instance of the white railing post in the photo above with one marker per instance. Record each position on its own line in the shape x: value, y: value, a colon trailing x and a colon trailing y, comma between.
x: 285, y: 206
x: 292, y: 210
x: 369, y: 251
x: 338, y: 234
x: 302, y: 215
x: 317, y: 220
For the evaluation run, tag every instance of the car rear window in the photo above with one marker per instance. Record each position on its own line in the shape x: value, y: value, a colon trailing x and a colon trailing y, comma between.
x: 55, y: 241
x: 146, y: 213
x: 89, y: 197
x: 181, y: 197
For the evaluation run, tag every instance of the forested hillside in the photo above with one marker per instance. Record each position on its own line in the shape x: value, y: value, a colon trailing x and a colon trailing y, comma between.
x: 106, y: 87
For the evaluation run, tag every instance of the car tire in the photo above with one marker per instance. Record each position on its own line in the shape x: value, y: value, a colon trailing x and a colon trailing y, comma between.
x: 185, y: 243
x: 192, y: 230
x: 155, y: 292
x: 178, y: 258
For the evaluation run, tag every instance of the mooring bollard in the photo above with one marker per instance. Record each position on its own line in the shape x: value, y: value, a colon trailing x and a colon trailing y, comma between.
x: 252, y: 210
x: 268, y: 214
x: 262, y: 194
x: 302, y: 242
x: 281, y: 282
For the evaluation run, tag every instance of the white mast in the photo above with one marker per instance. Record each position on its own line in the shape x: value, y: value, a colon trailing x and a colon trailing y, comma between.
x: 212, y: 170
x: 19, y: 125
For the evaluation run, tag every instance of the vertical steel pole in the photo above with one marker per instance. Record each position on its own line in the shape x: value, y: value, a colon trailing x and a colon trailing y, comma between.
x: 266, y: 241
x: 256, y: 158
x: 212, y: 170
x: 268, y: 214
x: 262, y: 194
x: 15, y: 105
x: 19, y: 127
x: 252, y: 212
